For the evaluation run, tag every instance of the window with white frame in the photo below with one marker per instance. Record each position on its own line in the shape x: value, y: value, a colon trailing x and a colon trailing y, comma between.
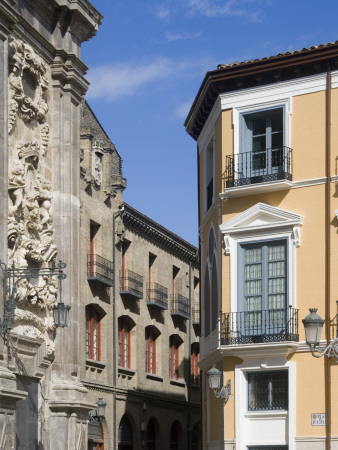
x: 262, y: 150
x: 262, y: 279
x: 267, y: 390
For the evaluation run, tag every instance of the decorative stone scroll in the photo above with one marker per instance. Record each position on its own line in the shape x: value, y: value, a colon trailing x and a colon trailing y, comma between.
x: 30, y: 220
x: 27, y: 84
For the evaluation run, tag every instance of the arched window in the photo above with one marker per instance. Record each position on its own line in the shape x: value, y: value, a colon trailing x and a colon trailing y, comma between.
x: 125, y: 435
x: 175, y: 436
x: 93, y: 333
x: 174, y: 356
x: 151, y: 336
x: 151, y: 435
x: 210, y: 291
x: 195, y: 372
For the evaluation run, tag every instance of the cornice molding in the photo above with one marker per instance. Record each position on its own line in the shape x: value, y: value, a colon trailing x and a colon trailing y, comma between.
x: 153, y: 232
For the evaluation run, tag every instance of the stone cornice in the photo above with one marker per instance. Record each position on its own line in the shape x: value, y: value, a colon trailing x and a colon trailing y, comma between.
x: 8, y: 17
x: 69, y: 71
x: 156, y: 233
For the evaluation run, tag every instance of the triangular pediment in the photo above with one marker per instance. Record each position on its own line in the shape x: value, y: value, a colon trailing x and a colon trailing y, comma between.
x: 261, y: 216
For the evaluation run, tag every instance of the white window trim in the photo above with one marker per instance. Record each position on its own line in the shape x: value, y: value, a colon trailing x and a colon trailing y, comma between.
x: 256, y: 364
x: 253, y: 106
x: 262, y: 222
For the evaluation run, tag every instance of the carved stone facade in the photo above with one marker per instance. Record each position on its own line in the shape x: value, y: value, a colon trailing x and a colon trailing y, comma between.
x: 42, y: 85
x: 30, y: 220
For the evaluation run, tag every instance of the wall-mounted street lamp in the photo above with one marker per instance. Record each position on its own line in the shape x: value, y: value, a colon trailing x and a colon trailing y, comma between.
x: 222, y: 392
x: 10, y: 279
x: 98, y: 414
x: 313, y: 325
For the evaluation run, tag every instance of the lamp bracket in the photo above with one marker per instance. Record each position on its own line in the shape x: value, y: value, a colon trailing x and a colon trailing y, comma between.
x: 9, y: 278
x: 224, y: 392
x: 93, y: 418
x: 330, y: 351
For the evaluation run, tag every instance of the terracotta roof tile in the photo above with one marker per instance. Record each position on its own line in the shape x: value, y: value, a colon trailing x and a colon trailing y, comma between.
x: 279, y: 55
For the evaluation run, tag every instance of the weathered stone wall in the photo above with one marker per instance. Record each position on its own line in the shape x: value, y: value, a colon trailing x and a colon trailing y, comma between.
x: 41, y: 89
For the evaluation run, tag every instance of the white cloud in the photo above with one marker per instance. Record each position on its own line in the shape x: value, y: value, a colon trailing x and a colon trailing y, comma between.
x: 183, y: 109
x: 217, y: 8
x: 115, y: 81
x: 162, y: 13
x: 247, y: 9
x: 181, y: 36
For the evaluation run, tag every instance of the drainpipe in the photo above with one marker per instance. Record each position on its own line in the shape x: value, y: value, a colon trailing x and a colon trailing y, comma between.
x: 328, y: 257
x: 191, y: 300
x: 115, y: 215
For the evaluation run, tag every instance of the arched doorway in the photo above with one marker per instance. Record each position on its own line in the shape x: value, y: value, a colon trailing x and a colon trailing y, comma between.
x: 195, y: 437
x: 125, y: 435
x: 151, y: 435
x: 176, y: 436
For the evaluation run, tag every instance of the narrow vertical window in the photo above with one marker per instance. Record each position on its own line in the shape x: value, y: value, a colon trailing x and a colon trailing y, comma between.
x: 174, y: 358
x: 151, y: 337
x: 194, y: 363
x: 150, y: 273
x: 93, y: 335
x: 124, y: 344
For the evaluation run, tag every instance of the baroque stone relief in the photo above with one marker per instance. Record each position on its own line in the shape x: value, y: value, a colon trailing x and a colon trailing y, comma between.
x: 27, y: 84
x: 30, y: 220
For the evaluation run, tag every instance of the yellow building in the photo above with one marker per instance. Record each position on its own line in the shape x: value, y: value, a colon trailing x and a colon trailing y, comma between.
x: 267, y: 135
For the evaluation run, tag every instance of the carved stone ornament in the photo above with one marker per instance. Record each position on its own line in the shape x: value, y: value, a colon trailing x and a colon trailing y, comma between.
x: 30, y: 220
x: 27, y: 84
x: 97, y: 155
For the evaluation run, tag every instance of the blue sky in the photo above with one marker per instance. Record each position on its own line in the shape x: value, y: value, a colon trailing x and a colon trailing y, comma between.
x: 147, y: 62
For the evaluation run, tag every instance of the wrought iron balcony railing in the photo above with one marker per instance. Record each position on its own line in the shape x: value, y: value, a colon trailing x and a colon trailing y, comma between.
x: 100, y: 269
x: 196, y: 314
x: 157, y: 295
x: 254, y: 327
x: 180, y: 306
x: 131, y: 283
x: 248, y: 168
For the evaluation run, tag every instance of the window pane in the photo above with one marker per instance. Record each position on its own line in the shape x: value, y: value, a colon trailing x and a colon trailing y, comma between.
x: 253, y: 255
x: 259, y: 144
x: 253, y: 287
x: 253, y: 271
x: 276, y: 269
x: 277, y: 120
x: 277, y: 142
x: 259, y: 126
x: 268, y: 391
x: 276, y: 252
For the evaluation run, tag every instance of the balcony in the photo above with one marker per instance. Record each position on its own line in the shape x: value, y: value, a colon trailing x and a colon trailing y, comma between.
x: 180, y: 306
x: 157, y: 295
x: 100, y: 269
x: 131, y: 284
x: 256, y: 327
x: 196, y: 314
x: 243, y: 169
